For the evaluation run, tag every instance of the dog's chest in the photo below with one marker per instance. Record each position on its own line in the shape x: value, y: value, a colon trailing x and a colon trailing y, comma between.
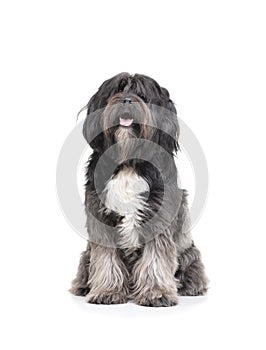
x: 125, y: 194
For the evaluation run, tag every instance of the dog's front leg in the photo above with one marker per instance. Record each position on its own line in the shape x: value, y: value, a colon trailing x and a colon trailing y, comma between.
x: 108, y: 276
x: 154, y: 283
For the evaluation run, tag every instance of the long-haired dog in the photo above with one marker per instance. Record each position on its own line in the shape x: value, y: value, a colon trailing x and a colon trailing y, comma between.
x: 139, y: 246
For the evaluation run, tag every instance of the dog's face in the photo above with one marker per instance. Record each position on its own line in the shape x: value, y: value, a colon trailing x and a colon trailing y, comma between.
x: 127, y: 106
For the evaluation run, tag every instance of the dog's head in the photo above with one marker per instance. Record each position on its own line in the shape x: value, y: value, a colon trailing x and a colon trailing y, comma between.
x: 131, y: 106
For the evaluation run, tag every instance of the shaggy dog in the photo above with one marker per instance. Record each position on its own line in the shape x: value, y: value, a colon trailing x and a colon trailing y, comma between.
x: 139, y: 246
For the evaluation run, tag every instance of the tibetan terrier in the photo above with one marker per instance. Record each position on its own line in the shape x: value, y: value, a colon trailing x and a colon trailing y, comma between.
x: 139, y: 243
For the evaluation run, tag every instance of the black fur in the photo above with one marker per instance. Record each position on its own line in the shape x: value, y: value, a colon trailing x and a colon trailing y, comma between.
x: 155, y: 121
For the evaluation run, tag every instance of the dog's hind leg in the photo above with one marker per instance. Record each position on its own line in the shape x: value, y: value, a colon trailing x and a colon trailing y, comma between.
x: 191, y: 273
x: 80, y: 283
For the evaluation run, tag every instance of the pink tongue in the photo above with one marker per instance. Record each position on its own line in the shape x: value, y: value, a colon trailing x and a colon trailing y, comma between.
x: 126, y: 122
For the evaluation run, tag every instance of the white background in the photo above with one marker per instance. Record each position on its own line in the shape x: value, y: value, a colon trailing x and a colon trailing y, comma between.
x: 211, y: 56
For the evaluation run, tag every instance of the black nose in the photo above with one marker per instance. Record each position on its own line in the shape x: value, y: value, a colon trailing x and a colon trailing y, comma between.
x: 127, y: 100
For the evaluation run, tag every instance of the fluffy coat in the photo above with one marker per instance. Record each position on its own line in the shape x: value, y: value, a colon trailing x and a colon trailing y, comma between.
x: 140, y: 246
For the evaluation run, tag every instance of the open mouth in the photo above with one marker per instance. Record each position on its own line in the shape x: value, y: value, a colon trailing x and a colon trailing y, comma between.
x: 125, y: 119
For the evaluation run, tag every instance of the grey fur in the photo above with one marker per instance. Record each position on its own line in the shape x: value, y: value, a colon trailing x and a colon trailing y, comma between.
x: 80, y: 283
x: 140, y: 246
x: 191, y: 274
x: 154, y: 283
x: 108, y: 276
x: 113, y: 275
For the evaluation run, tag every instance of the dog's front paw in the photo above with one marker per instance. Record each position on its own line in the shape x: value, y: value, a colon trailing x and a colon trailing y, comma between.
x: 156, y: 299
x: 106, y: 298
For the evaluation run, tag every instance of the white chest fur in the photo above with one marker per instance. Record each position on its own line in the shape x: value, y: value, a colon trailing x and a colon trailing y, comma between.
x: 123, y: 195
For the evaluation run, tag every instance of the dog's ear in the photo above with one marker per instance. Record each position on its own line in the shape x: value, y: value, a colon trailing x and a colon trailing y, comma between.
x: 92, y: 127
x: 167, y: 130
x: 92, y: 131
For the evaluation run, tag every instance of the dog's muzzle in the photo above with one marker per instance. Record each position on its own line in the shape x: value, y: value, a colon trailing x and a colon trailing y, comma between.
x: 127, y: 116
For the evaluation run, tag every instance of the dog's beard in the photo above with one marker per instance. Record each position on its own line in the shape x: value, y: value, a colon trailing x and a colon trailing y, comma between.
x: 124, y: 133
x: 123, y: 136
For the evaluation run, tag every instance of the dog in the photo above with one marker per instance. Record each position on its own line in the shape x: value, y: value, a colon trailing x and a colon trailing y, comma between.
x: 139, y: 243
